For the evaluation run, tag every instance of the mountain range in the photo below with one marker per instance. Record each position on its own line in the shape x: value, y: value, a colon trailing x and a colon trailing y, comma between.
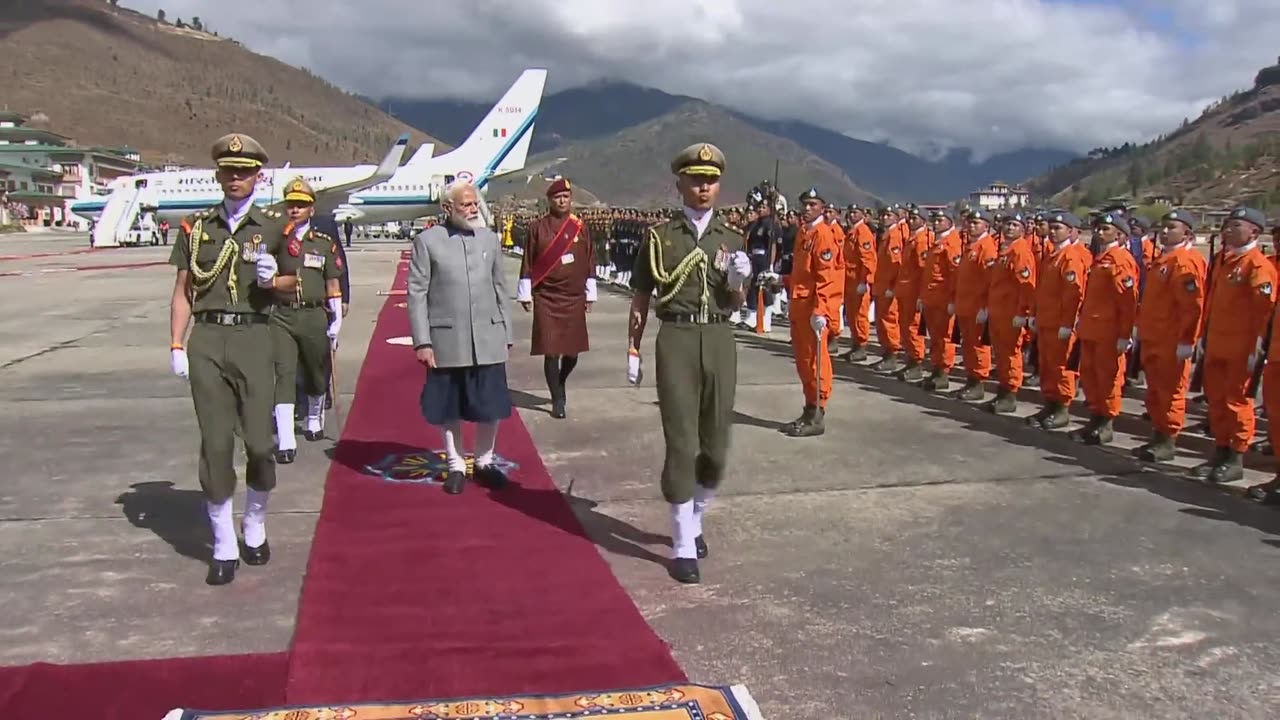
x: 629, y: 129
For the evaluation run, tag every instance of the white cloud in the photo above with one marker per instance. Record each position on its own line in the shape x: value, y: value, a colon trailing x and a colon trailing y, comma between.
x: 987, y: 74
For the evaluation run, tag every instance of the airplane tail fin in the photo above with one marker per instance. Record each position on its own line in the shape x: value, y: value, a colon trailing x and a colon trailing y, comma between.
x: 500, y: 143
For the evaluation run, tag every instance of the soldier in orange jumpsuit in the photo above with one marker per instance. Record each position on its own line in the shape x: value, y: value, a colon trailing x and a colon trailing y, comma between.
x: 1241, y: 299
x: 973, y: 285
x: 1059, y: 294
x: 888, y: 263
x: 1169, y: 321
x: 907, y: 291
x: 817, y: 289
x: 1268, y: 492
x: 832, y: 216
x: 937, y: 297
x: 859, y: 276
x: 1009, y: 305
x: 1040, y: 239
x: 1106, y: 328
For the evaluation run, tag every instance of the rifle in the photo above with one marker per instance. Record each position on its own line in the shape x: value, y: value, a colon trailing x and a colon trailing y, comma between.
x: 1255, y: 380
x: 1197, y: 373
x: 1073, y: 358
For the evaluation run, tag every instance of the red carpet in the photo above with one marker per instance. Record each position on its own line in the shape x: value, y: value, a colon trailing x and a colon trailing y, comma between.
x: 411, y: 593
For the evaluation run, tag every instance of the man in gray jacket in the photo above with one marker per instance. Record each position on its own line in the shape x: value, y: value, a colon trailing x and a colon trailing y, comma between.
x: 461, y: 323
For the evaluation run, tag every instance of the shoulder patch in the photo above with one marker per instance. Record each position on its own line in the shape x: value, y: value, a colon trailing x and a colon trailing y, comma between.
x: 1127, y: 282
x: 826, y: 255
x: 1191, y: 285
x: 956, y: 260
x: 866, y: 245
x: 1265, y: 289
x: 1070, y: 276
x: 1024, y: 272
x: 991, y: 262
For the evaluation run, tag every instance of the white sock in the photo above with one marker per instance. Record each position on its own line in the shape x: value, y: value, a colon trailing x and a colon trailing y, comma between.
x: 255, y: 517
x: 701, y: 499
x: 452, y: 447
x: 315, y: 413
x: 768, y: 321
x: 735, y: 316
x: 284, y: 427
x: 486, y: 437
x: 682, y: 531
x: 751, y: 318
x: 225, y: 546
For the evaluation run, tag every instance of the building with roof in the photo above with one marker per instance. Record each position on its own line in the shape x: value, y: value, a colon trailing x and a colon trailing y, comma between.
x: 1000, y: 196
x: 43, y: 172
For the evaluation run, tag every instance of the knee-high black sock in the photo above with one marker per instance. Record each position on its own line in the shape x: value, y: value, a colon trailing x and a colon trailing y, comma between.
x: 567, y: 364
x: 551, y: 371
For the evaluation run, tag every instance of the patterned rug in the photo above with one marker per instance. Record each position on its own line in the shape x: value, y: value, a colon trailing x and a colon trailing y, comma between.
x: 674, y: 702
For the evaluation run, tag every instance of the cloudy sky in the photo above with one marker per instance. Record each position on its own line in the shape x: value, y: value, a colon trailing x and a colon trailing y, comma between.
x: 988, y: 74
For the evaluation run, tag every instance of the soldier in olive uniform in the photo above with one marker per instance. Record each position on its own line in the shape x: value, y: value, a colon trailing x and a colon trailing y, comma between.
x: 698, y: 266
x: 226, y: 273
x: 302, y: 331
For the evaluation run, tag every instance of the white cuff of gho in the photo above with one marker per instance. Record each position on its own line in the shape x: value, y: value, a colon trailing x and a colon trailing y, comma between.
x: 335, y: 306
x: 524, y: 290
x: 591, y: 289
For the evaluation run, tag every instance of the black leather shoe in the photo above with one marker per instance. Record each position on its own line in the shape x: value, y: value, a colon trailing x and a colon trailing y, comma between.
x: 454, y: 482
x: 685, y: 570
x: 557, y: 410
x: 284, y: 457
x: 222, y: 572
x: 313, y: 435
x: 490, y: 476
x: 260, y: 555
x: 701, y: 546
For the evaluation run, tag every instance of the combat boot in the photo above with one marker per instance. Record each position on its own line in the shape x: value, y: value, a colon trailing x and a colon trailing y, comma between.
x: 972, y: 391
x: 1060, y: 418
x: 806, y: 416
x: 1101, y: 435
x: 1229, y: 470
x: 938, y: 382
x: 1205, y: 469
x: 856, y: 354
x: 887, y: 364
x: 1082, y: 435
x: 1004, y: 403
x: 1037, y: 420
x: 814, y: 427
x: 913, y: 372
x: 1160, y: 449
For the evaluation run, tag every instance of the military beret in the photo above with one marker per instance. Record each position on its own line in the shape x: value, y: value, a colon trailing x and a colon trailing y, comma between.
x: 1064, y: 217
x: 559, y: 186
x: 1015, y: 216
x: 237, y: 150
x: 1179, y: 215
x: 1115, y: 219
x: 1139, y: 223
x: 979, y: 214
x: 944, y: 213
x: 1041, y: 216
x: 811, y: 194
x: 1248, y: 214
x: 887, y: 210
x: 299, y: 190
x: 699, y: 159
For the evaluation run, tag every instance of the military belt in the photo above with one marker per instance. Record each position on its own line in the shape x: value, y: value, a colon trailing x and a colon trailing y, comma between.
x: 692, y: 319
x: 215, y: 317
x: 303, y: 304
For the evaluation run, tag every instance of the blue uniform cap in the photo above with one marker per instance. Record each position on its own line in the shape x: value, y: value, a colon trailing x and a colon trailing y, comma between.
x: 1248, y: 214
x: 1179, y: 215
x: 1116, y: 220
x: 1064, y: 217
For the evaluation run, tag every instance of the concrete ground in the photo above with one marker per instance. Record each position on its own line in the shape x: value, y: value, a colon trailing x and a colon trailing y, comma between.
x: 921, y: 560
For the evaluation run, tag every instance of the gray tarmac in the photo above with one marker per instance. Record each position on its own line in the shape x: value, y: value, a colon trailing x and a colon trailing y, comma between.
x: 920, y: 560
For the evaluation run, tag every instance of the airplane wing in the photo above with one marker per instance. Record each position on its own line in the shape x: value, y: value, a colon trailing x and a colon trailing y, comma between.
x: 532, y: 171
x: 330, y: 196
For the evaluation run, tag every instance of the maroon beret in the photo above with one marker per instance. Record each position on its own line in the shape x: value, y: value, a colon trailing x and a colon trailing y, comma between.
x: 559, y: 186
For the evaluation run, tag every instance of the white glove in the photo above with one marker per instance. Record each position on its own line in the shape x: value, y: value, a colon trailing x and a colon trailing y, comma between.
x: 982, y: 316
x: 861, y: 289
x: 1184, y: 352
x: 818, y: 322
x: 919, y: 305
x: 888, y: 294
x: 951, y: 308
x: 1031, y: 324
x: 267, y: 270
x: 1019, y: 321
x: 633, y: 369
x: 739, y: 269
x: 1064, y: 333
x: 1123, y: 345
x: 178, y: 363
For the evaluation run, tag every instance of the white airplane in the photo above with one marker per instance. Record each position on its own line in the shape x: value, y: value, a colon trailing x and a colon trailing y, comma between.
x: 364, y: 194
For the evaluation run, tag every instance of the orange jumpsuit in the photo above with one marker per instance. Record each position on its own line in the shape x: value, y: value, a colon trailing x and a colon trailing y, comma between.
x: 973, y: 283
x: 1169, y: 316
x: 1012, y: 295
x: 1059, y: 294
x: 1271, y: 387
x: 838, y: 230
x: 907, y: 291
x: 1106, y: 317
x: 888, y: 261
x: 1239, y: 307
x: 859, y: 269
x: 817, y: 288
x: 941, y: 270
